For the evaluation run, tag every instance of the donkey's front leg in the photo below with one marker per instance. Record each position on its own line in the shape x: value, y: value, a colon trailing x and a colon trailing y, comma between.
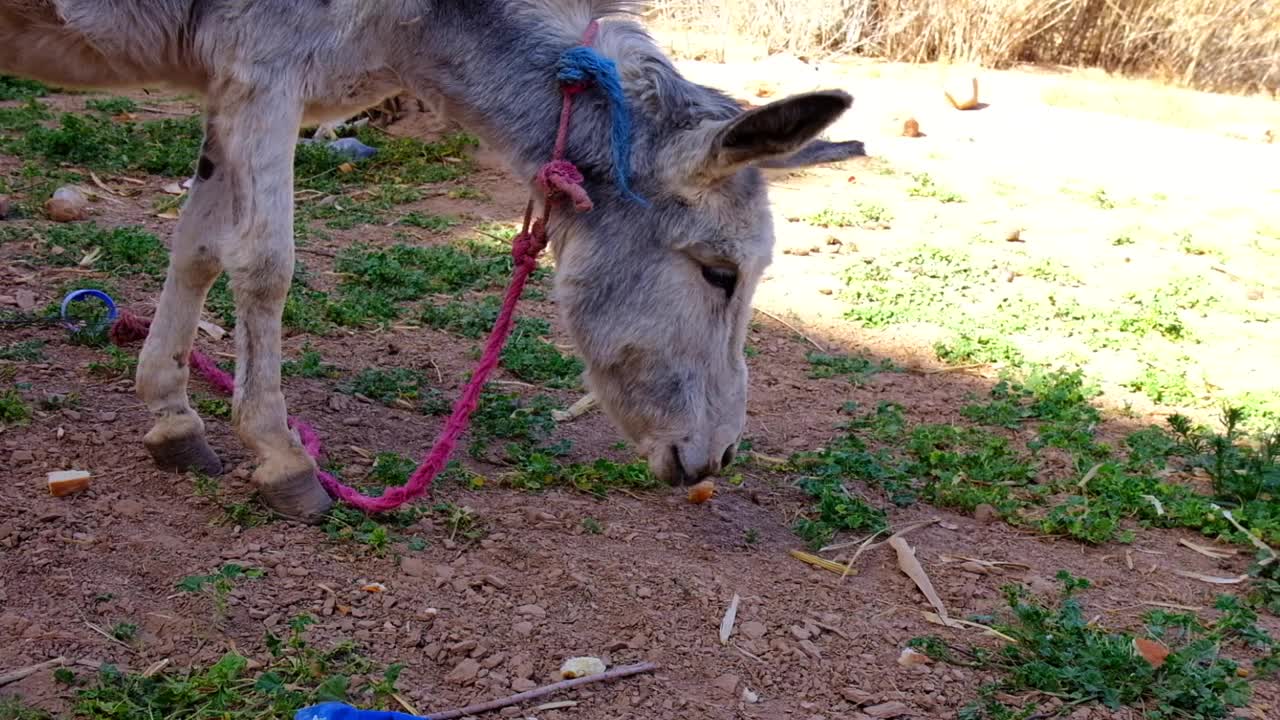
x: 176, y: 440
x: 258, y: 137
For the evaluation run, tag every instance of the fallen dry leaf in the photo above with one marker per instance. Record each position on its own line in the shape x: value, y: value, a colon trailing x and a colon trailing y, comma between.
x: 730, y: 615
x: 1210, y: 578
x: 908, y: 564
x: 1153, y: 651
x: 823, y: 563
x: 1210, y: 552
x: 214, y: 331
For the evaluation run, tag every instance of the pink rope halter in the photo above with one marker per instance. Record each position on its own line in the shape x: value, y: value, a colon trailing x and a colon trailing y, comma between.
x: 558, y: 180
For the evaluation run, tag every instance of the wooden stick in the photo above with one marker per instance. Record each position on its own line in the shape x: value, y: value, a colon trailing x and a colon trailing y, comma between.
x: 614, y: 674
x: 22, y: 673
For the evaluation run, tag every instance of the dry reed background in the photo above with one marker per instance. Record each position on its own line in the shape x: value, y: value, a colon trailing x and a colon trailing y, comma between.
x: 1217, y: 45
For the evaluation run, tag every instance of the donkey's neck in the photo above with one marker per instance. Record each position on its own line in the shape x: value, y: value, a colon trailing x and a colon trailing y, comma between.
x: 496, y: 71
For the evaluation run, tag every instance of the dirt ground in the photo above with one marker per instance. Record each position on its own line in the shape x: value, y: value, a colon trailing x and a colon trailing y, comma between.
x: 655, y: 583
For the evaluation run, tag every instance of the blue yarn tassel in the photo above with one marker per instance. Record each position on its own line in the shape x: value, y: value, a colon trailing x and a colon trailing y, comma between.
x: 583, y: 64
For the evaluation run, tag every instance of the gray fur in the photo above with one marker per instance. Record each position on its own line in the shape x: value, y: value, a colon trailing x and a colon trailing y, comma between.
x: 663, y: 346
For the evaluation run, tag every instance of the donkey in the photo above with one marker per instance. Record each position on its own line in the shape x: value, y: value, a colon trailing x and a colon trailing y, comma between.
x: 656, y: 295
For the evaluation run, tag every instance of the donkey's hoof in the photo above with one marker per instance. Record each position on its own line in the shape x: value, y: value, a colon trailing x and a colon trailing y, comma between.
x: 181, y: 454
x: 298, y: 497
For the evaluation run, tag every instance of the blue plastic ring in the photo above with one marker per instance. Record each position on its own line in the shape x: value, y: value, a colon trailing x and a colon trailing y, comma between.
x: 75, y: 295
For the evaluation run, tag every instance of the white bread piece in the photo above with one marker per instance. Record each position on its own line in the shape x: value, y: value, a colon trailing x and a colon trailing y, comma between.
x: 66, y: 482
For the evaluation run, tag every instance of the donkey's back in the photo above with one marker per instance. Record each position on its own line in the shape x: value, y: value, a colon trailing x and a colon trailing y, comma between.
x: 100, y: 44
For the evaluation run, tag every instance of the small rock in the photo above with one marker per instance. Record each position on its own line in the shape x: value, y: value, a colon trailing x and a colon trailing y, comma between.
x: 890, y: 709
x: 412, y: 638
x: 129, y: 507
x: 985, y: 514
x: 754, y: 630
x: 413, y: 567
x: 523, y: 629
x: 493, y: 661
x: 728, y: 684
x: 466, y: 646
x: 534, y: 611
x: 810, y: 649
x: 464, y: 674
x: 1041, y: 585
x: 351, y: 421
x: 26, y: 301
x: 799, y: 633
x: 495, y: 582
x: 523, y: 685
x: 857, y: 696
x: 22, y: 456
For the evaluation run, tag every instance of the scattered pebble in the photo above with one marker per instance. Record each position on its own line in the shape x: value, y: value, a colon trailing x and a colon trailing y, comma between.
x: 889, y: 709
x: 413, y: 567
x: 985, y: 514
x: 728, y: 684
x: 464, y: 673
x: 753, y: 630
x: 535, y: 611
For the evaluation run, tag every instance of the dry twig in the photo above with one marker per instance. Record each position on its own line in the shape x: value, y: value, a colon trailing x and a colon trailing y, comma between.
x: 524, y: 697
x: 793, y: 329
x: 14, y: 676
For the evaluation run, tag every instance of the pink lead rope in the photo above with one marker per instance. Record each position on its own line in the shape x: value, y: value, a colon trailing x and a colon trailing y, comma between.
x: 558, y: 179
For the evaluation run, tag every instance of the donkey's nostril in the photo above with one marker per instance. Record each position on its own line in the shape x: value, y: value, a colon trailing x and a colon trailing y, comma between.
x: 727, y: 458
x: 680, y: 477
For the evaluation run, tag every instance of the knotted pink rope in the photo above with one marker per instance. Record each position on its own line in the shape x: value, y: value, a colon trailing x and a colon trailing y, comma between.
x: 559, y: 180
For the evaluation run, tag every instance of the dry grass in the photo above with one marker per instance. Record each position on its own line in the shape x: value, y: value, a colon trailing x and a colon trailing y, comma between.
x: 1219, y: 45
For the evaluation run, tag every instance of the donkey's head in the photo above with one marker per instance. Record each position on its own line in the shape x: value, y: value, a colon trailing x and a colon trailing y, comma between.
x: 657, y: 295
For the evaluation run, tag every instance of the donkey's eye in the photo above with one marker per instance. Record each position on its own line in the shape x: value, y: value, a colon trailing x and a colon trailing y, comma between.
x: 722, y: 277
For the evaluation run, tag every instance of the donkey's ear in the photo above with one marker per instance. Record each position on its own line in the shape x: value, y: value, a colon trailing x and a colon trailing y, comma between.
x: 774, y: 131
x: 816, y: 153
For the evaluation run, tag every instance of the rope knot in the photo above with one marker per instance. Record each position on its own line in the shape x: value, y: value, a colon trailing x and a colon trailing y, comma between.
x: 562, y: 178
x: 583, y: 65
x: 526, y: 246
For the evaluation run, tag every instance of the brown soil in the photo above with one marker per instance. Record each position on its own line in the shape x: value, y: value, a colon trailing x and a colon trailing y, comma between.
x: 538, y: 588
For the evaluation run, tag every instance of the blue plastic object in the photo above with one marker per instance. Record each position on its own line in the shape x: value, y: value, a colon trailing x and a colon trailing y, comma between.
x: 352, y: 148
x: 77, y: 295
x: 338, y: 711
